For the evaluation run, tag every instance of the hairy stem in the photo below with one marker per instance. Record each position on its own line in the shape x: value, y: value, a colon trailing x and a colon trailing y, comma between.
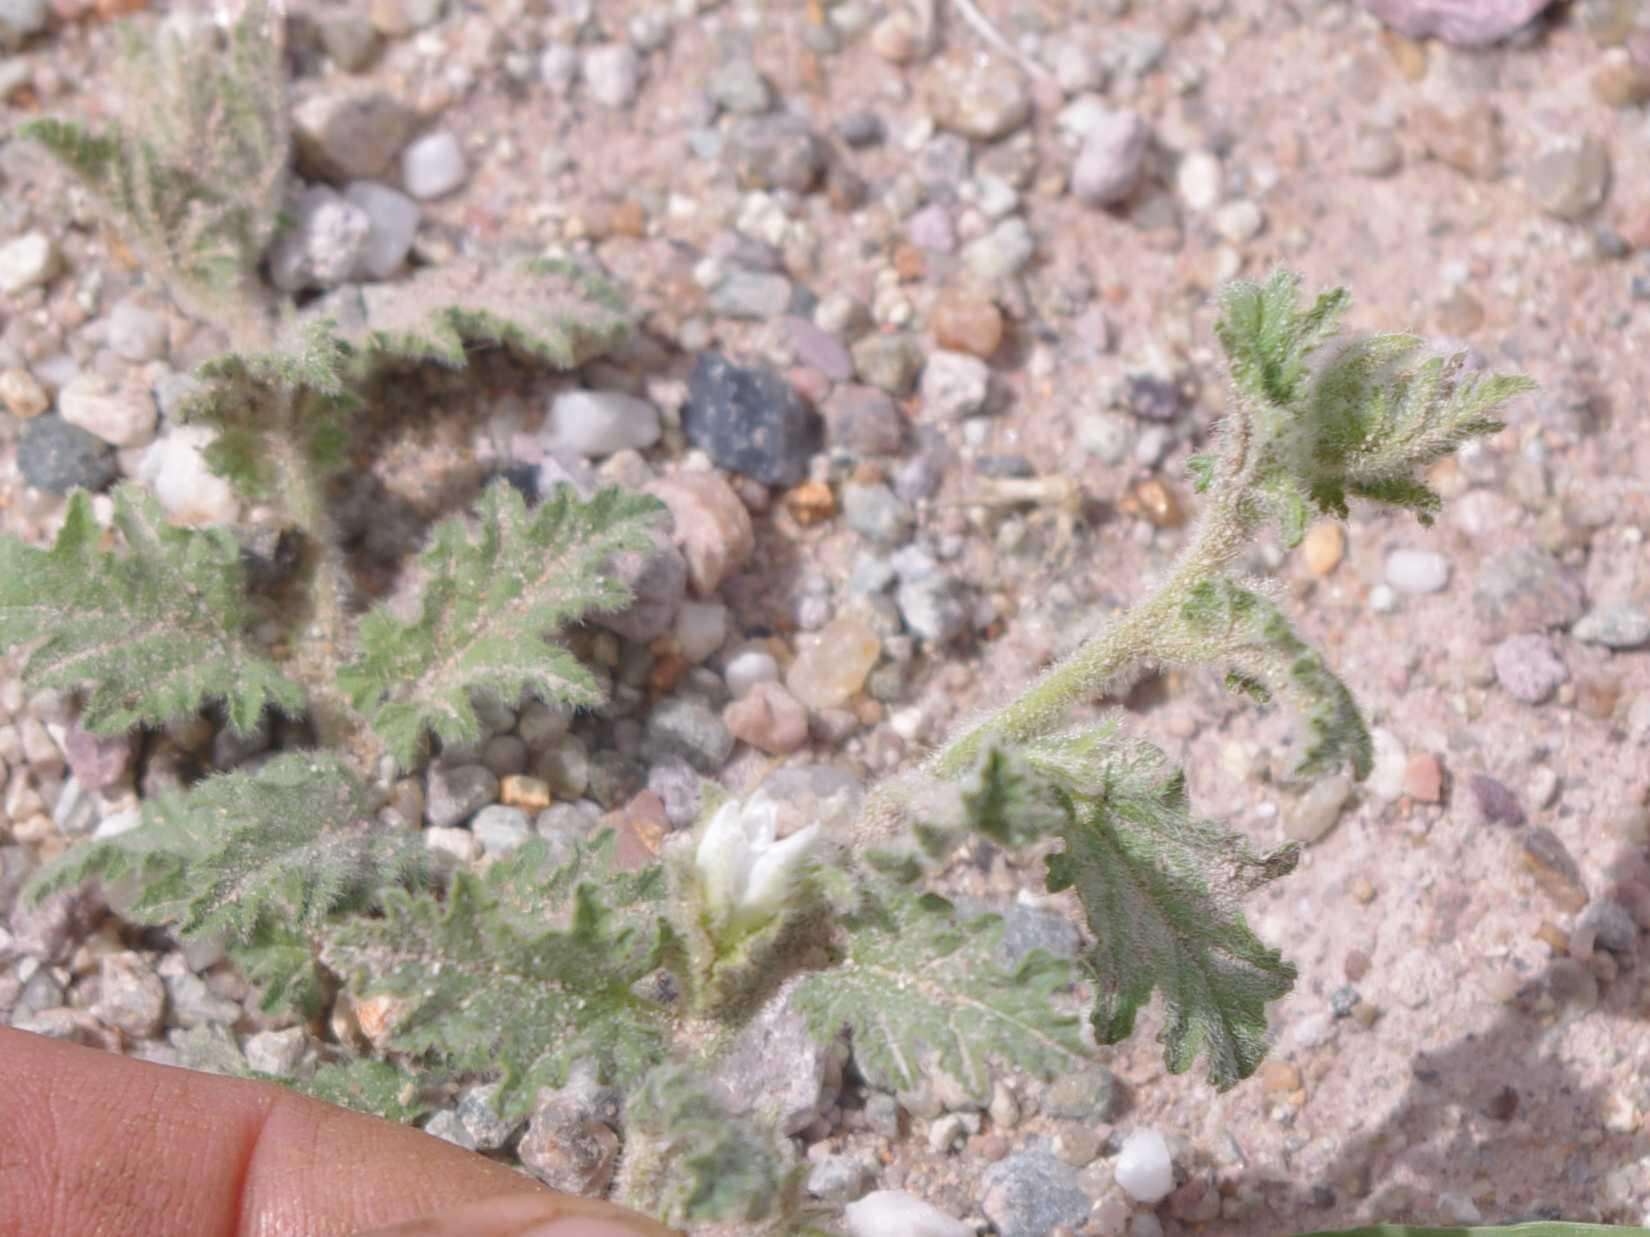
x: 1149, y: 631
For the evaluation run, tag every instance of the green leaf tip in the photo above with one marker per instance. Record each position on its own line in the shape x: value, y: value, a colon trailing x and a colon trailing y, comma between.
x: 157, y: 631
x: 1360, y: 423
x: 490, y: 602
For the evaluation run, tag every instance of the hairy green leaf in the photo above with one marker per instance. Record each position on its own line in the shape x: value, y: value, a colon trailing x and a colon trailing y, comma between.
x: 252, y: 855
x: 558, y: 312
x: 1268, y: 340
x: 1256, y: 634
x: 922, y: 991
x: 281, y: 963
x: 157, y: 631
x: 375, y: 1087
x: 1159, y: 888
x: 198, y: 188
x: 487, y: 609
x: 1363, y: 423
x: 688, y: 1160
x: 262, y: 402
x: 514, y: 972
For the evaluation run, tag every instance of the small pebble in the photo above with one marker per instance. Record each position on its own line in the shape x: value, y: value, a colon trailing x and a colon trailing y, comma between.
x: 831, y: 665
x: 1528, y: 667
x: 1569, y: 180
x: 768, y: 718
x: 1496, y: 801
x: 1614, y: 626
x: 1323, y: 546
x: 894, y: 1213
x: 966, y: 321
x: 392, y: 223
x: 27, y: 262
x: 599, y: 423
x: 1144, y: 1168
x: 1424, y: 778
x: 1417, y: 571
x: 1111, y: 160
x: 1315, y: 813
x: 954, y: 385
x: 121, y: 415
x: 612, y: 74
x: 433, y: 166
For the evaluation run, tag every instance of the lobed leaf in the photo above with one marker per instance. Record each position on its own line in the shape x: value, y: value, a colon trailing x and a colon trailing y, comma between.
x: 1364, y: 423
x: 479, y: 986
x: 921, y: 992
x: 557, y: 312
x: 253, y: 857
x: 486, y: 611
x: 703, y: 1164
x: 261, y: 402
x: 199, y: 190
x: 157, y: 631
x: 1159, y: 889
x: 1254, y: 633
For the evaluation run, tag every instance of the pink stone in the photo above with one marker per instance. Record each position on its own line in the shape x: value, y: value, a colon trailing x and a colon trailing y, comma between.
x: 769, y: 718
x: 1465, y: 23
x: 712, y: 527
x: 97, y: 760
x: 831, y: 665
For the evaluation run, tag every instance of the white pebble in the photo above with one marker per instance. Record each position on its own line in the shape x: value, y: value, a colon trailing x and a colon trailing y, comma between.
x: 596, y: 423
x: 392, y: 222
x: 433, y: 165
x: 1417, y: 571
x: 175, y: 470
x: 1239, y: 221
x: 1144, y: 1168
x: 747, y: 668
x: 894, y: 1213
x: 1386, y: 779
x: 137, y: 332
x: 612, y: 73
x: 1199, y: 180
x: 29, y: 260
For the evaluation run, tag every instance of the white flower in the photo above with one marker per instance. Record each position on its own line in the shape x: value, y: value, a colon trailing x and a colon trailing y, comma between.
x: 746, y: 874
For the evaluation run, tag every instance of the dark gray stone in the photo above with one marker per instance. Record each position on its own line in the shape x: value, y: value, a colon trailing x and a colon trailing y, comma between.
x: 58, y: 457
x: 689, y: 729
x: 1030, y: 1193
x: 749, y: 420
